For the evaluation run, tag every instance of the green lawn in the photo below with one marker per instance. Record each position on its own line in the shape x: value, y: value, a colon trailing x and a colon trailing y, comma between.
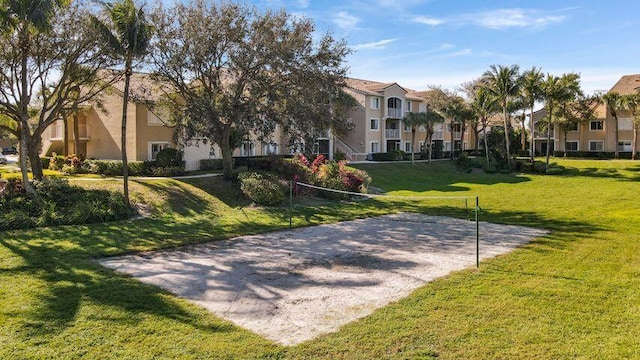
x: 572, y: 294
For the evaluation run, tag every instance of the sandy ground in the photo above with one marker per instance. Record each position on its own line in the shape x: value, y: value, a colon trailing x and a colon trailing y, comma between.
x: 291, y: 286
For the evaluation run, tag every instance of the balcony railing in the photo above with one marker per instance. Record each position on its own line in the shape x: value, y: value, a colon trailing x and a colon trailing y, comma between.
x: 438, y: 135
x: 394, y: 113
x: 392, y: 133
x: 543, y: 134
x: 457, y: 135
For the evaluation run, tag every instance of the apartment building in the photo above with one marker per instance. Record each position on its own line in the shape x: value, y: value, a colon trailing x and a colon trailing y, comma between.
x: 378, y: 124
x: 377, y: 121
x: 594, y: 136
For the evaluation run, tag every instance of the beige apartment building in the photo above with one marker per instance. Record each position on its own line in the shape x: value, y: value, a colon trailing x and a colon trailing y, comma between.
x: 595, y: 136
x: 379, y: 126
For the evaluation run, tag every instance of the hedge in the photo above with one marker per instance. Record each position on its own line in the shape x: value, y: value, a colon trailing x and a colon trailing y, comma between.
x: 592, y: 154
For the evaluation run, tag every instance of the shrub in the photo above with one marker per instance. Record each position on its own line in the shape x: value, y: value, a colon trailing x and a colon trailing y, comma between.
x: 463, y: 162
x: 393, y: 155
x: 339, y: 156
x: 211, y: 164
x: 61, y: 204
x: 56, y: 162
x: 555, y: 170
x: 167, y: 171
x: 45, y: 162
x: 490, y: 169
x: 262, y: 188
x: 169, y: 157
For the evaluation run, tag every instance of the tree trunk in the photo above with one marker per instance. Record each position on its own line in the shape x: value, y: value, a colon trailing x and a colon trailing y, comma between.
x: 532, y: 147
x: 634, y: 145
x: 617, y: 137
x: 413, y: 146
x: 565, y: 142
x: 523, y: 134
x: 65, y: 136
x: 486, y: 147
x: 34, y: 156
x: 549, y: 138
x: 227, y: 153
x: 76, y: 133
x: 24, y: 112
x: 125, y: 103
x: 429, y: 146
x: 506, y: 134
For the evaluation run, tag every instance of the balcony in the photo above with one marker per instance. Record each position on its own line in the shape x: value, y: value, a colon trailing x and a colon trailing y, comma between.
x: 392, y: 134
x: 543, y: 135
x: 57, y: 132
x: 438, y: 135
x: 456, y: 135
x: 394, y: 113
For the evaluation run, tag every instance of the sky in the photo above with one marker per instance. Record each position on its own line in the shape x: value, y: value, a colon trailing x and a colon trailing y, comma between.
x: 419, y: 43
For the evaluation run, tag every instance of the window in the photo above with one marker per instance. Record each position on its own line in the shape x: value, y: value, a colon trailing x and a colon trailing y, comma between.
x: 375, y: 124
x: 375, y: 103
x: 407, y: 126
x: 154, y: 118
x: 155, y: 147
x: 423, y: 107
x: 596, y: 145
x: 596, y: 125
x: 421, y: 145
x: 572, y: 127
x: 624, y: 146
x: 247, y: 149
x: 407, y: 147
x: 625, y: 123
x: 375, y: 147
x: 269, y: 148
x: 571, y: 146
x: 408, y: 105
x: 447, y: 146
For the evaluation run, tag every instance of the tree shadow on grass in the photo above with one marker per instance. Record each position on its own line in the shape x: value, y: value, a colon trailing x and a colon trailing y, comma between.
x: 71, y: 278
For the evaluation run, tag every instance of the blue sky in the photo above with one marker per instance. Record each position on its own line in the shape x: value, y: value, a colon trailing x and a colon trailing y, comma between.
x: 445, y: 42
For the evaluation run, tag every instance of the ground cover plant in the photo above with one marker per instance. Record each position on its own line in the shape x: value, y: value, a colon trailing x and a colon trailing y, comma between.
x: 573, y: 293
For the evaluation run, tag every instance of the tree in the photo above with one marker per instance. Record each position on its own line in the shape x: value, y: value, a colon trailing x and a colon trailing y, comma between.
x: 235, y: 69
x: 127, y: 33
x: 532, y: 92
x: 631, y: 102
x: 570, y: 114
x: 557, y: 91
x: 47, y: 50
x: 614, y: 102
x: 504, y: 83
x: 414, y: 120
x: 484, y: 106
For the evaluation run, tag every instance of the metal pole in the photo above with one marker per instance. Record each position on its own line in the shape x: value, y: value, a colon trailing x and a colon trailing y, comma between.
x: 477, y: 234
x: 466, y: 208
x: 290, y: 203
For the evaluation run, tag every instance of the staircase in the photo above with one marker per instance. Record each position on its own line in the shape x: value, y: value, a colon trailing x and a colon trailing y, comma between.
x: 351, y: 153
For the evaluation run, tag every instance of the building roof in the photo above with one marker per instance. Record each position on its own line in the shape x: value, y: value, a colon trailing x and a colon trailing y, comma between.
x: 628, y: 84
x: 141, y: 86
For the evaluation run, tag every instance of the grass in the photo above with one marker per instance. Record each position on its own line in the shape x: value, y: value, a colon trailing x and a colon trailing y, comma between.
x: 571, y: 294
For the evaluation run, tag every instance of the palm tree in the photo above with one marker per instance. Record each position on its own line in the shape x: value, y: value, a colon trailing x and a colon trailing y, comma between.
x: 414, y: 120
x: 504, y: 83
x: 532, y: 92
x: 557, y: 90
x: 613, y: 101
x: 27, y: 18
x: 128, y: 34
x: 484, y: 106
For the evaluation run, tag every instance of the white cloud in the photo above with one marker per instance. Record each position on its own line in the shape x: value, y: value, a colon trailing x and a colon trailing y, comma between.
x: 427, y: 20
x: 509, y: 18
x: 303, y: 3
x: 378, y: 45
x: 346, y: 21
x: 500, y: 18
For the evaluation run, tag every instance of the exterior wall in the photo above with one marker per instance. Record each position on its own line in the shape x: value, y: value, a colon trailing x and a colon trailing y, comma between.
x: 147, y: 133
x: 357, y: 138
x: 105, y: 129
x: 196, y: 150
